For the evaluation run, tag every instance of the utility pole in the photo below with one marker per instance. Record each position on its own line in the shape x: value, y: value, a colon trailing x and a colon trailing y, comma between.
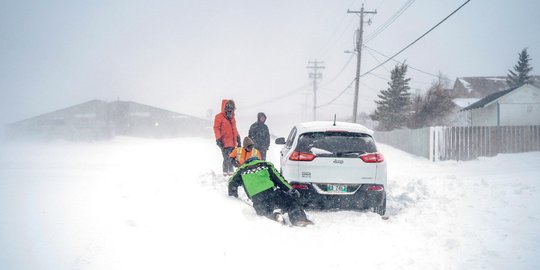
x: 358, y: 50
x: 315, y: 75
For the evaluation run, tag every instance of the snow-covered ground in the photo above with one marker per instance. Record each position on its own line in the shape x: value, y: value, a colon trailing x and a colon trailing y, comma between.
x: 155, y: 204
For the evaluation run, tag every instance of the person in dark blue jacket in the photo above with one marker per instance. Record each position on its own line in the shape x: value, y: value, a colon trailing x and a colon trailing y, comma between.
x: 259, y: 133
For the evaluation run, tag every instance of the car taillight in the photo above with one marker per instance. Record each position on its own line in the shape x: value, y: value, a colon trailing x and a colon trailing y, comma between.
x: 372, y: 158
x: 299, y: 156
x: 299, y: 186
x: 375, y: 188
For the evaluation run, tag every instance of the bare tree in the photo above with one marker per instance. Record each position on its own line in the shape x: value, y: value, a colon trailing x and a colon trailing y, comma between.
x: 434, y: 107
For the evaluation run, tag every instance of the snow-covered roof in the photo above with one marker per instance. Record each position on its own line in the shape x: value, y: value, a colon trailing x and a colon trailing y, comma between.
x: 466, y: 85
x: 96, y: 105
x: 493, y: 97
x: 480, y: 87
x: 329, y: 125
x: 500, y: 79
x: 464, y: 102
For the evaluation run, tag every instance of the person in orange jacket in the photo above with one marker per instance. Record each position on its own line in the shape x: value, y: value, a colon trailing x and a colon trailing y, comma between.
x: 241, y: 154
x: 227, y: 137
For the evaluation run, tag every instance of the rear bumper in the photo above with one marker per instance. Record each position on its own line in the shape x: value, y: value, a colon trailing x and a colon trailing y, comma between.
x: 359, y: 198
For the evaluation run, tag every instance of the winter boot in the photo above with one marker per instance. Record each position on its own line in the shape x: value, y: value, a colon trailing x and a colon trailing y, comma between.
x: 303, y: 223
x: 298, y: 217
x: 277, y: 215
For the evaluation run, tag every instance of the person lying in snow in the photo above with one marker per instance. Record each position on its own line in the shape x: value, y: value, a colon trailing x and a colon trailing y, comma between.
x: 268, y: 191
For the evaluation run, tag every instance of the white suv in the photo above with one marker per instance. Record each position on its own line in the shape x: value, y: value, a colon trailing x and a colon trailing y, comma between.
x: 335, y: 165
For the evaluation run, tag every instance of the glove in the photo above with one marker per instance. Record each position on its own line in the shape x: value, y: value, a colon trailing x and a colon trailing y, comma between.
x: 219, y: 143
x: 238, y: 141
x: 293, y: 193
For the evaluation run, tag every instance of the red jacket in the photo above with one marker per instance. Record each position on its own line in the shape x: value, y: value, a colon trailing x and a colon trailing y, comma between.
x: 224, y: 128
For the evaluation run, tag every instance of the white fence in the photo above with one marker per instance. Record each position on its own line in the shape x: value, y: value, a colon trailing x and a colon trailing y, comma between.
x: 463, y: 143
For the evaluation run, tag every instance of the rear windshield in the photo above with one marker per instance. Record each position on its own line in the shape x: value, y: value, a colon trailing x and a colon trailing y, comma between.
x: 336, y: 144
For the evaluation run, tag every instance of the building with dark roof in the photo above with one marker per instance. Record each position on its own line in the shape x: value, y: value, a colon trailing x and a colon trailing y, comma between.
x: 511, y: 107
x: 97, y: 120
x: 479, y: 87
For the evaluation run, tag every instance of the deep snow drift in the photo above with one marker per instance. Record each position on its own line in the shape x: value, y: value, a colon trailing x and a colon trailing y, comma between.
x: 155, y: 204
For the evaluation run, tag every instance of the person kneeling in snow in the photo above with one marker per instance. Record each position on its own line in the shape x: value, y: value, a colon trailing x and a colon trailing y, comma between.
x: 269, y: 191
x: 241, y: 154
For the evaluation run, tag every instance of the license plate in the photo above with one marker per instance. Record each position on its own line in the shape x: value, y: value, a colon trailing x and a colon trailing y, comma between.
x: 336, y: 188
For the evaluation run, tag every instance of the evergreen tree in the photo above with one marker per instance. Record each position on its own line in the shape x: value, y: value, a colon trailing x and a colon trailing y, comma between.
x: 520, y: 75
x: 392, y: 109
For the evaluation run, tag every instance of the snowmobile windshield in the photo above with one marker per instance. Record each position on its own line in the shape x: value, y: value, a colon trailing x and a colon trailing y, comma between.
x: 336, y: 144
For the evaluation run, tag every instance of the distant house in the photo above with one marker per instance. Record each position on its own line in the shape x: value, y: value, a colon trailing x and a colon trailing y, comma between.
x: 511, y: 107
x: 479, y: 87
x: 458, y: 118
x: 96, y: 120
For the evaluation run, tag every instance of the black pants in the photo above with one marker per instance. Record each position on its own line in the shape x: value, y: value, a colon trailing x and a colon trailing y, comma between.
x: 267, y: 201
x: 228, y: 166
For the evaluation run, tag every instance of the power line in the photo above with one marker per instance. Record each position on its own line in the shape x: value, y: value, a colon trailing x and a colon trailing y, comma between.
x: 327, y: 91
x: 387, y: 80
x: 331, y: 41
x: 376, y: 59
x: 406, y: 47
x: 390, y: 58
x: 339, y: 95
x: 340, y: 72
x: 364, y: 84
x: 391, y: 20
x: 379, y: 76
x: 274, y: 99
x: 400, y: 62
x: 408, y: 66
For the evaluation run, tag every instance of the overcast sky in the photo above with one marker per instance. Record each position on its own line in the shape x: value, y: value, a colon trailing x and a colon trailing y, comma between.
x: 186, y: 56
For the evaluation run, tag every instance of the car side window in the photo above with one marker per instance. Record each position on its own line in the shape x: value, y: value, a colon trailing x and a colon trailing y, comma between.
x: 291, y: 137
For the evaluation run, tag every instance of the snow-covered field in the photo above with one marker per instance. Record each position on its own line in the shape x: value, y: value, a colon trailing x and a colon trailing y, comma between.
x: 154, y: 204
